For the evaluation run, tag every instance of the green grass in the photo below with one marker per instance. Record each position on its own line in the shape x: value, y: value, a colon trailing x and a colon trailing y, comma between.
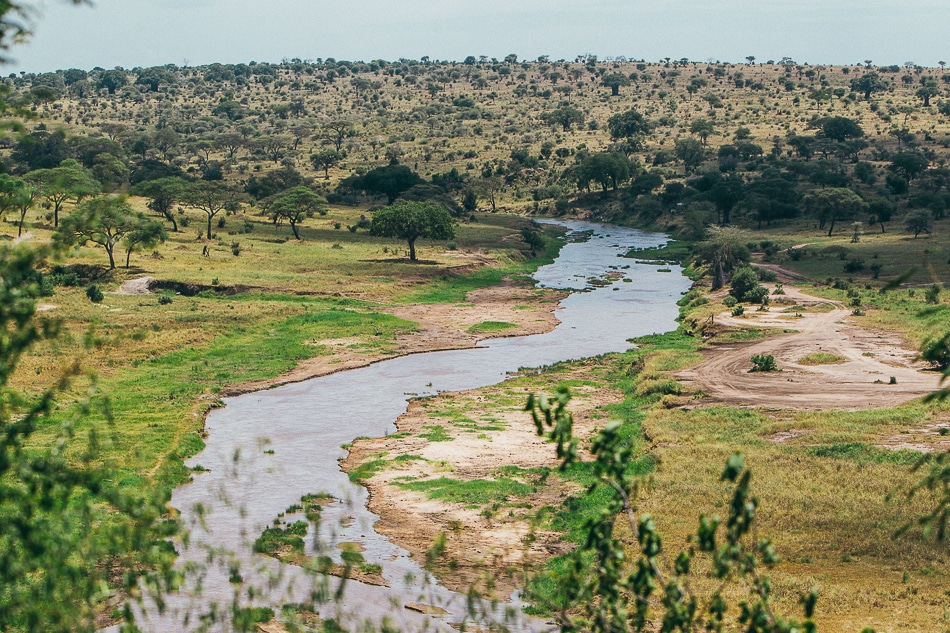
x: 820, y: 358
x: 864, y: 454
x: 487, y: 327
x: 436, y: 433
x: 474, y: 492
x: 272, y: 540
x: 367, y: 469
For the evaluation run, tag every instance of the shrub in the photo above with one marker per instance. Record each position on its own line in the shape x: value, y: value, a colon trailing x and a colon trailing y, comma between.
x: 743, y: 280
x: 738, y: 311
x: 94, y: 293
x: 759, y: 294
x: 933, y: 294
x: 730, y: 301
x: 765, y: 274
x: 164, y: 300
x: 763, y: 362
x: 854, y: 266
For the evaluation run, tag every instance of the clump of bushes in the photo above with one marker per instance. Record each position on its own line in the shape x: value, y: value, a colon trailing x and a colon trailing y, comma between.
x: 763, y: 362
x: 94, y: 293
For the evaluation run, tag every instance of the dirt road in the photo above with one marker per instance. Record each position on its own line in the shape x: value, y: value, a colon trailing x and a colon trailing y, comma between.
x: 869, y: 359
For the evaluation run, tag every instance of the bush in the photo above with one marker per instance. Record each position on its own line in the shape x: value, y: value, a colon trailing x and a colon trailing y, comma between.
x: 164, y: 300
x: 738, y: 311
x: 763, y: 362
x: 730, y: 301
x: 765, y: 274
x: 743, y: 280
x: 933, y: 294
x: 759, y: 294
x: 94, y: 293
x: 854, y: 266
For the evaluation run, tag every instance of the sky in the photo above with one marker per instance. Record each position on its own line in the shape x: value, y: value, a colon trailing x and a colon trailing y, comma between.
x: 131, y: 33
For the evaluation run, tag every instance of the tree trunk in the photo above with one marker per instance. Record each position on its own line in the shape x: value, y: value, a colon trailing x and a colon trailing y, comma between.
x: 412, y: 250
x: 111, y: 258
x: 293, y: 227
x: 128, y: 256
x: 210, y: 215
x: 832, y: 227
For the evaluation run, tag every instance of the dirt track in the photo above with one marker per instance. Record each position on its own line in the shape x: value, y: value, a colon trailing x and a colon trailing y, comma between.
x: 870, y: 357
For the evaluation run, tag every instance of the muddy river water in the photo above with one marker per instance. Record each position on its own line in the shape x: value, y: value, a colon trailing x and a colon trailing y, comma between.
x: 267, y: 449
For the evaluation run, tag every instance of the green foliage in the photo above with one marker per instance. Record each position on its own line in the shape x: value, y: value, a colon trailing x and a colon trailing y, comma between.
x: 603, y: 587
x: 476, y: 492
x: 744, y: 286
x: 274, y: 540
x: 763, y: 362
x: 94, y: 293
x: 413, y: 220
x: 65, y: 530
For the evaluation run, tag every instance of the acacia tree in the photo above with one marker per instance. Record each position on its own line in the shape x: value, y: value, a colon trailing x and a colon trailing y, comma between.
x: 164, y: 194
x: 831, y: 204
x: 565, y: 117
x: 410, y: 221
x: 212, y: 197
x: 335, y: 132
x: 615, y: 81
x: 295, y: 206
x: 105, y: 221
x: 325, y: 160
x: 149, y: 234
x: 58, y: 185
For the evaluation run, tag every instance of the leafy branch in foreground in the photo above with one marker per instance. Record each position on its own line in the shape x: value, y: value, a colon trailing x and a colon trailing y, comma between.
x: 70, y: 541
x: 606, y: 590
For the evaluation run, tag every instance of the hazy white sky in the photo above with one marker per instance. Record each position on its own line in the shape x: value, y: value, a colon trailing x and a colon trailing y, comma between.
x: 133, y: 33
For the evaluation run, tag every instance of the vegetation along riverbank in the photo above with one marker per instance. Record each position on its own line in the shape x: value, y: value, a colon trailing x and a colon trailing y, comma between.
x: 215, y: 232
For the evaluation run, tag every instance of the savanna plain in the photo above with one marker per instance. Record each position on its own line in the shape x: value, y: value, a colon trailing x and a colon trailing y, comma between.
x: 220, y: 229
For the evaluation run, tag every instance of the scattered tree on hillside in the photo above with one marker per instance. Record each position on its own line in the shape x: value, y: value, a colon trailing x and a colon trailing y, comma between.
x: 324, y: 160
x: 389, y: 181
x: 565, y: 116
x: 615, y: 81
x: 335, y: 132
x: 868, y: 83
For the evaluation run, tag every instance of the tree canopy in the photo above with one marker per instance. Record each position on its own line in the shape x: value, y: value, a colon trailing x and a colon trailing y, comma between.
x: 410, y: 221
x: 389, y: 181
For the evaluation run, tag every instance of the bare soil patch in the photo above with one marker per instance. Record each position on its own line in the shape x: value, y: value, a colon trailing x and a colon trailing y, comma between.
x: 862, y: 381
x: 482, y: 542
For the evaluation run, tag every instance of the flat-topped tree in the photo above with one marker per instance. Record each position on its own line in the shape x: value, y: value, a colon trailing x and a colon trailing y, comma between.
x: 615, y: 81
x: 410, y: 221
x: 295, y: 206
x: 68, y: 182
x: 212, y: 197
x: 107, y: 221
x: 164, y: 194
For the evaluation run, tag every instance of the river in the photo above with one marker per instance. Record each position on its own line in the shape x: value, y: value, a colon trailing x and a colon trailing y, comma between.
x: 267, y: 449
